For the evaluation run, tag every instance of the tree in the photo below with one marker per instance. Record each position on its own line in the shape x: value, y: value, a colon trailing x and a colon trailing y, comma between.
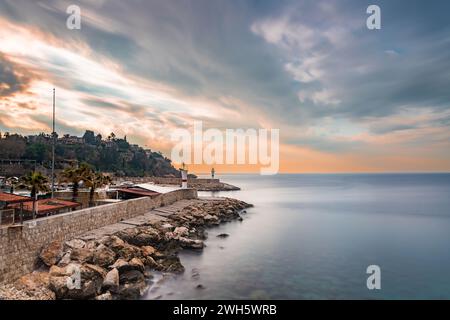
x: 95, y: 180
x: 74, y: 175
x: 111, y: 136
x: 35, y: 182
x: 89, y: 137
x: 12, y: 146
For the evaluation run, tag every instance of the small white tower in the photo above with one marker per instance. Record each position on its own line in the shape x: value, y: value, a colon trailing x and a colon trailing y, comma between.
x: 184, y: 174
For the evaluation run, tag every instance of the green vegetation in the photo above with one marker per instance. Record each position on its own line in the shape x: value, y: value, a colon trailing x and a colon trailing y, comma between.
x: 112, y: 154
x: 35, y: 182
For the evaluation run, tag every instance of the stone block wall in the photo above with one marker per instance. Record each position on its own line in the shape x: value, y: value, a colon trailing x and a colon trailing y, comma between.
x: 20, y: 245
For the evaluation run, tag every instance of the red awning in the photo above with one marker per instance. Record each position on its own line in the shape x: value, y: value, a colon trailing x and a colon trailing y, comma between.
x: 12, y: 198
x: 45, y: 206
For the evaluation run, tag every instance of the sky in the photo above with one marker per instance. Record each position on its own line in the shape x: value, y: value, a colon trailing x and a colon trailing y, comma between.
x: 345, y: 98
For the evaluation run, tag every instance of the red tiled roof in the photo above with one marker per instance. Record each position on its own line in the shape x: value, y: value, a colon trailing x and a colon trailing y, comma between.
x: 48, y: 205
x: 139, y: 191
x: 12, y: 198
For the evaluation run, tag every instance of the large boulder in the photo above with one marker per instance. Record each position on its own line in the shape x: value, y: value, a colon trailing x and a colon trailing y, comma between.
x: 103, y: 256
x: 111, y: 281
x: 151, y: 263
x: 190, y: 243
x: 121, y: 265
x: 131, y: 291
x: 81, y: 255
x: 170, y: 264
x: 129, y: 252
x: 105, y: 296
x: 56, y: 271
x: 131, y: 276
x: 113, y: 242
x: 140, y: 236
x: 137, y: 264
x: 148, y: 251
x: 77, y: 281
x: 181, y: 231
x: 75, y: 244
x: 51, y: 254
x: 65, y: 260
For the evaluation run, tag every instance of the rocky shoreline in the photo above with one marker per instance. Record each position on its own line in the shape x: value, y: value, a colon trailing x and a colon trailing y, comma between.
x: 119, y: 266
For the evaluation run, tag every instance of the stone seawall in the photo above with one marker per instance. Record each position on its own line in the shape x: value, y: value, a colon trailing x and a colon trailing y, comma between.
x: 164, y: 180
x: 20, y: 246
x: 199, y: 184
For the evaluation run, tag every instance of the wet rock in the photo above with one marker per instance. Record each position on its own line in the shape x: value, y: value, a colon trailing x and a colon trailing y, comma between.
x: 195, y: 274
x: 130, y: 292
x: 51, y: 254
x: 137, y: 264
x: 171, y: 264
x: 190, y: 243
x: 223, y: 235
x: 151, y: 263
x: 131, y: 276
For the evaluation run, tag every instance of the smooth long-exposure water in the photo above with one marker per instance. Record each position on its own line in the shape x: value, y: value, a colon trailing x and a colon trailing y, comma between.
x: 312, y: 237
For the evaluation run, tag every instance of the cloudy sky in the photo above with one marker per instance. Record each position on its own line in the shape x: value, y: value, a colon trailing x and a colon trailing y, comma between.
x: 345, y: 98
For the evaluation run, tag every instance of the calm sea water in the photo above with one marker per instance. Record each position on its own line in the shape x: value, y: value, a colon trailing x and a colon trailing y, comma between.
x: 313, y: 236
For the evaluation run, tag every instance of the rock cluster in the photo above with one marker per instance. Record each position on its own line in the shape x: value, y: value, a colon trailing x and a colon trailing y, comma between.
x: 119, y: 266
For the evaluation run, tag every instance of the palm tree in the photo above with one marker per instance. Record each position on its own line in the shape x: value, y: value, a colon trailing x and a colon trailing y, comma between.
x: 35, y: 182
x: 12, y: 182
x: 74, y: 175
x: 95, y: 180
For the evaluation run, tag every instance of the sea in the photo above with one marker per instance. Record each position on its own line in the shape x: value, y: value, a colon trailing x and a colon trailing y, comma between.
x: 313, y: 236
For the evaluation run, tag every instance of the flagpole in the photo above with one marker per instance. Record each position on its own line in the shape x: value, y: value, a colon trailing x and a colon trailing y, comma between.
x: 53, y: 146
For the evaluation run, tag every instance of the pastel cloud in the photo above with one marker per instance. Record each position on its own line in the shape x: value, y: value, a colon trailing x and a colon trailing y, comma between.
x: 341, y: 95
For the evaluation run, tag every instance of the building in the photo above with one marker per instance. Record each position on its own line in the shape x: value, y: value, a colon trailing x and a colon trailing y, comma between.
x: 15, y: 208
x: 46, y: 207
x: 11, y: 207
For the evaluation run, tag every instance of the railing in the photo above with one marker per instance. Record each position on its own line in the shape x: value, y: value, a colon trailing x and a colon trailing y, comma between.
x: 7, y: 217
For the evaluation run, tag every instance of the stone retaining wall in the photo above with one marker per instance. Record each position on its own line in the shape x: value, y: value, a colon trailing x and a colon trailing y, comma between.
x: 20, y: 246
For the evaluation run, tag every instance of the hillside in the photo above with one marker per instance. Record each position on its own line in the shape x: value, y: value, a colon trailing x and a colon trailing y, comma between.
x: 112, y: 154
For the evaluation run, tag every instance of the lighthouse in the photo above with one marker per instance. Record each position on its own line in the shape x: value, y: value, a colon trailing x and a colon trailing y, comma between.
x: 184, y: 174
